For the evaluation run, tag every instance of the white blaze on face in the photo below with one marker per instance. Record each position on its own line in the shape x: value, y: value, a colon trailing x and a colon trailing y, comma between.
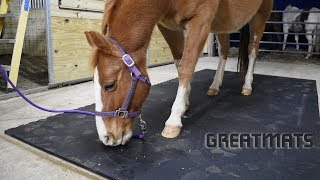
x: 101, y: 128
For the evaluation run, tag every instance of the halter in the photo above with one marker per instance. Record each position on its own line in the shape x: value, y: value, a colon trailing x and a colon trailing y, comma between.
x: 135, y: 76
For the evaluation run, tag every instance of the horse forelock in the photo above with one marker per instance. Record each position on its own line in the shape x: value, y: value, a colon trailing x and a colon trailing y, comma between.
x: 94, y: 58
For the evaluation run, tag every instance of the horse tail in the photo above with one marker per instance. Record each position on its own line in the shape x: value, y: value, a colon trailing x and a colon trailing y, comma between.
x: 243, y: 60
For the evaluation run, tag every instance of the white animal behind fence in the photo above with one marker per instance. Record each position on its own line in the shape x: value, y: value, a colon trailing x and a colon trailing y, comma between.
x: 312, y: 30
x: 290, y: 15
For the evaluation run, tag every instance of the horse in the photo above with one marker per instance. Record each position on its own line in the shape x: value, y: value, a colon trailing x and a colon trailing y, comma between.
x: 130, y: 24
x: 291, y: 14
x: 312, y: 29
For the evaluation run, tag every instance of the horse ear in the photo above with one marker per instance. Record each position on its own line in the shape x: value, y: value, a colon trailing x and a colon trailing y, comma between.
x: 96, y: 39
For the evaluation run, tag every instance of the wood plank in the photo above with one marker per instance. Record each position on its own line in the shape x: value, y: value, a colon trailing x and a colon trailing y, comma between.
x: 71, y: 52
x: 159, y: 49
x: 57, y: 12
x: 92, y: 5
x: 17, y: 50
x: 3, y: 10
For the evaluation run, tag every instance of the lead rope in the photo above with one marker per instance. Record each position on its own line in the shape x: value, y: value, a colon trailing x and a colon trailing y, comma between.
x: 143, y: 126
x: 4, y: 74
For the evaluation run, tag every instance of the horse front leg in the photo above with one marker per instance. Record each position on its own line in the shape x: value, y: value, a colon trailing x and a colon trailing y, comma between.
x: 197, y: 33
x: 175, y: 40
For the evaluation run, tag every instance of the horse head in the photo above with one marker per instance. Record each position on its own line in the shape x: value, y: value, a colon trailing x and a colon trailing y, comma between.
x: 112, y: 85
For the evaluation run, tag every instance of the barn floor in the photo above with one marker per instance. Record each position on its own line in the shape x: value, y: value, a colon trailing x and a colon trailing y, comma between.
x: 20, y: 161
x: 33, y: 74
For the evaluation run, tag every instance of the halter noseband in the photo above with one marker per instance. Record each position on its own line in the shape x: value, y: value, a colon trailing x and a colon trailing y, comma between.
x: 136, y: 75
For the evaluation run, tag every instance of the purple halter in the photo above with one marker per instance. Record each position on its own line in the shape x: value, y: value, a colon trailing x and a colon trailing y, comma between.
x: 136, y: 75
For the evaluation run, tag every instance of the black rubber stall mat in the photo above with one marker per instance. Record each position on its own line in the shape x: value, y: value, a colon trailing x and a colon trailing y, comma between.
x: 277, y: 105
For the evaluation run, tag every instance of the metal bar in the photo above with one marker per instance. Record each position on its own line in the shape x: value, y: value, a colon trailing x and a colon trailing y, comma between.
x: 288, y: 43
x: 12, y: 41
x: 8, y: 15
x: 293, y: 52
x: 6, y: 67
x: 271, y: 42
x: 280, y: 22
x: 49, y: 42
x: 281, y: 11
x: 290, y: 33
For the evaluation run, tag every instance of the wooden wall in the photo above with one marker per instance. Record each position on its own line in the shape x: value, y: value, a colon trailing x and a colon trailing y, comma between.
x: 71, y: 52
x: 159, y: 51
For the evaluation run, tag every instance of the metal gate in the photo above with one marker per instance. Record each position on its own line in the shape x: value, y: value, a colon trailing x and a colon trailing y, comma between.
x: 274, y: 44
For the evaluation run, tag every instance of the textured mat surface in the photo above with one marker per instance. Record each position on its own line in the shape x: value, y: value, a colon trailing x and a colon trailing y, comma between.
x: 277, y: 104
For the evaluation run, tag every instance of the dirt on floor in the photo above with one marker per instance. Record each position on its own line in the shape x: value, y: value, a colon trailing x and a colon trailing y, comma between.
x: 33, y: 72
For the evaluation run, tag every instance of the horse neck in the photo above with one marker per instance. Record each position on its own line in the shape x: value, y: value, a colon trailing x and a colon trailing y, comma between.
x: 133, y: 25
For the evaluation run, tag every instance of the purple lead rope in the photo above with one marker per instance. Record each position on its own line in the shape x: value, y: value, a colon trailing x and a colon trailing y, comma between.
x: 4, y: 74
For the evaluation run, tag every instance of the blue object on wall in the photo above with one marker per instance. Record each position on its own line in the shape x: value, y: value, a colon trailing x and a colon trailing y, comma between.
x: 282, y: 4
x: 27, y: 5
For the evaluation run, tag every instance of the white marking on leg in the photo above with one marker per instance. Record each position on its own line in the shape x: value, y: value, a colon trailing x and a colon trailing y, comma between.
x: 178, y: 108
x: 101, y: 127
x: 249, y: 75
x: 176, y: 62
x: 218, y: 78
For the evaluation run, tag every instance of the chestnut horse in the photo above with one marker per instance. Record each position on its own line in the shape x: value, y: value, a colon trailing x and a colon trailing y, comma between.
x: 131, y: 22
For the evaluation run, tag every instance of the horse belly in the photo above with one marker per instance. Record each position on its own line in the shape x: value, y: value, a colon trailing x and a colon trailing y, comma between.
x: 233, y: 15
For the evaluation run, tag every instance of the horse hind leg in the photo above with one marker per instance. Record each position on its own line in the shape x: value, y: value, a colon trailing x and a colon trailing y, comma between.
x: 311, y: 41
x: 285, y: 36
x: 257, y: 25
x: 223, y: 49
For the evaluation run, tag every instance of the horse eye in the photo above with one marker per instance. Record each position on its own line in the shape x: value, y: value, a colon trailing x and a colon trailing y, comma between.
x: 109, y: 86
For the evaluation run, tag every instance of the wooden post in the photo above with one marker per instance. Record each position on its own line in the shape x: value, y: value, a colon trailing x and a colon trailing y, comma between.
x: 17, y: 50
x: 3, y: 10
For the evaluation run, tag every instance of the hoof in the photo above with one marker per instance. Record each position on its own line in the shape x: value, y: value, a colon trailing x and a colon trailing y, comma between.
x: 246, y: 92
x: 212, y: 92
x: 171, y: 131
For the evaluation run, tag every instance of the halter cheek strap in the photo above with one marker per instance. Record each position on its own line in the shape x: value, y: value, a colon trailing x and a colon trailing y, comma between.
x: 136, y: 76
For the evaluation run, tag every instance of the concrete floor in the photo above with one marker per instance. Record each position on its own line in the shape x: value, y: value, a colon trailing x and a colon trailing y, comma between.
x: 20, y: 161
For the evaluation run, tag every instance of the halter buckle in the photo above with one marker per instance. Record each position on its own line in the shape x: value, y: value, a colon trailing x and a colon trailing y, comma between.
x: 128, y: 60
x: 121, y: 114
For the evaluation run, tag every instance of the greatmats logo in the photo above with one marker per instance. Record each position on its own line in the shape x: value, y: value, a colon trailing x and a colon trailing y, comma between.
x: 256, y: 140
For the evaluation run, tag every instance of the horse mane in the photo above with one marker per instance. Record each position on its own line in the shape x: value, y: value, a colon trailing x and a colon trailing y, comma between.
x: 109, y: 8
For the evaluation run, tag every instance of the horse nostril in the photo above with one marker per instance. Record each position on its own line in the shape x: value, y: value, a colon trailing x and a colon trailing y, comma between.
x: 107, y: 137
